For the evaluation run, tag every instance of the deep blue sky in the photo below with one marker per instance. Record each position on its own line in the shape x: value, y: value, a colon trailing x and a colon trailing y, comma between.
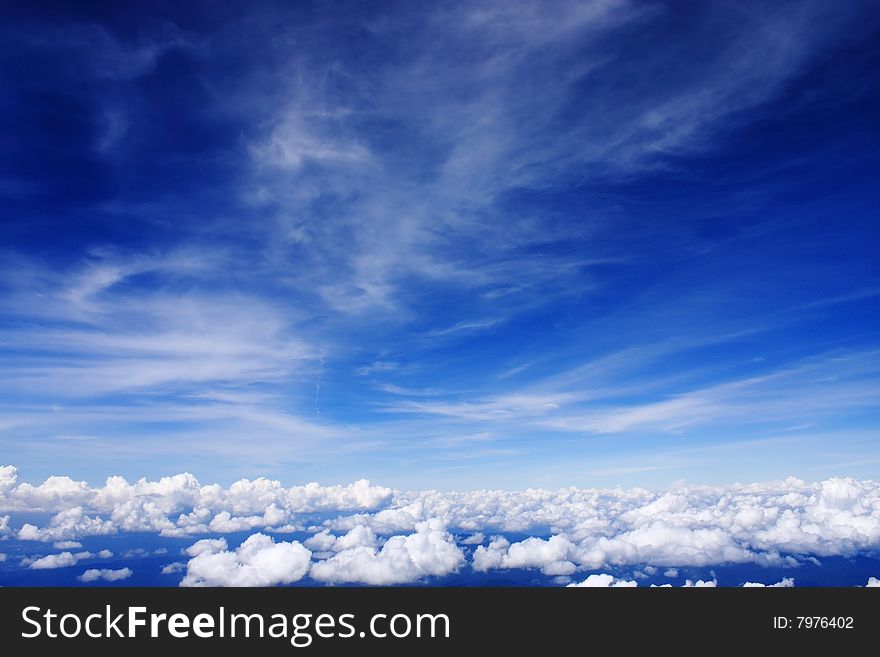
x: 454, y: 246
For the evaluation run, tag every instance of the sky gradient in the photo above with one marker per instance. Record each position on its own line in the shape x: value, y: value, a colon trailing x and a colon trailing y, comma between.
x: 462, y: 246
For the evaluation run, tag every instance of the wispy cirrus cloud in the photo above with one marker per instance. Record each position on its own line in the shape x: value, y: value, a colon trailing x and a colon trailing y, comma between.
x: 99, y: 330
x: 570, y: 402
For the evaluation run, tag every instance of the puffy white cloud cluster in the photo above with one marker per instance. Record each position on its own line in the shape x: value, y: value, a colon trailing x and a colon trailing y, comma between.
x: 592, y: 529
x: 105, y: 574
x: 551, y: 555
x: 62, y: 559
x: 174, y: 506
x: 478, y: 538
x: 358, y: 556
x: 371, y: 534
x: 603, y: 581
x: 207, y: 546
x: 784, y: 583
x: 8, y: 478
x: 689, y: 584
x: 258, y: 561
x: 873, y: 582
x: 71, y: 522
x: 5, y: 531
x: 430, y: 550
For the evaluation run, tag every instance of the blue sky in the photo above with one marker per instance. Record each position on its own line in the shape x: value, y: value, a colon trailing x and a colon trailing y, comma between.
x: 467, y: 245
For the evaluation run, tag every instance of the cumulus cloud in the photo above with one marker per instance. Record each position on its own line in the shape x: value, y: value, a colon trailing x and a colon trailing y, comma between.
x: 429, y: 551
x: 8, y: 478
x: 785, y: 582
x: 206, y: 545
x: 66, y: 545
x: 488, y: 557
x: 551, y: 555
x: 175, y: 567
x: 5, y: 531
x: 258, y: 561
x: 65, y: 524
x: 60, y: 560
x: 873, y: 582
x: 474, y: 539
x: 603, y: 581
x: 105, y: 574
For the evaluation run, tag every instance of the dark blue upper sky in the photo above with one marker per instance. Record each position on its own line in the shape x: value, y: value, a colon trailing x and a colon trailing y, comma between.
x: 464, y: 245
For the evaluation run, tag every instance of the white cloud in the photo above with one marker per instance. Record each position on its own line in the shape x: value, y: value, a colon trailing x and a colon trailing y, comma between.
x: 671, y: 572
x: 430, y: 551
x: 690, y: 584
x: 60, y: 560
x: 474, y: 539
x: 175, y: 567
x: 2, y: 557
x: 551, y: 555
x: 873, y: 582
x: 66, y: 545
x: 206, y: 546
x: 105, y: 574
x: 65, y: 524
x: 785, y: 582
x: 8, y: 478
x: 490, y: 556
x: 603, y: 581
x: 258, y: 561
x: 321, y: 542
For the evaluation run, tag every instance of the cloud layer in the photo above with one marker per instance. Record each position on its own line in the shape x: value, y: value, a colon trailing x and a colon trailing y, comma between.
x: 375, y: 535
